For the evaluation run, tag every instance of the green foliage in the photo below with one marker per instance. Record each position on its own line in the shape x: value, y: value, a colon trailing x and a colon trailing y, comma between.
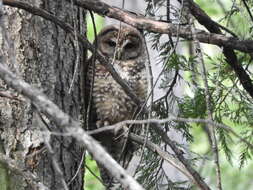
x: 214, y: 10
x: 150, y: 173
x: 193, y: 107
x: 91, y: 182
x: 4, y: 181
x: 229, y: 103
x: 99, y: 21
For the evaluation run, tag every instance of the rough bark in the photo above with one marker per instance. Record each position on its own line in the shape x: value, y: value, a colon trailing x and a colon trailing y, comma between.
x: 43, y: 55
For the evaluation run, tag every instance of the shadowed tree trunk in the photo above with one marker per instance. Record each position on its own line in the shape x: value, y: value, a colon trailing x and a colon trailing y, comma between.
x: 45, y: 56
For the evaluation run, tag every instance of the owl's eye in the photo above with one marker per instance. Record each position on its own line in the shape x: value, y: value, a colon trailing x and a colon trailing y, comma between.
x: 111, y: 43
x: 130, y: 46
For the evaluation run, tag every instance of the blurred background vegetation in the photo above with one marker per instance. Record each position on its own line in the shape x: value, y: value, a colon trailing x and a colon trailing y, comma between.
x: 230, y: 104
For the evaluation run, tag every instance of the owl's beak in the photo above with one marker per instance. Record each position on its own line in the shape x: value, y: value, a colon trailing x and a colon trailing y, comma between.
x: 119, y: 53
x: 120, y: 50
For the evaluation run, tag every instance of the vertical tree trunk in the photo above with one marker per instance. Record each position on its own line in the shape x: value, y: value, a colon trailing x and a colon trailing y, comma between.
x: 44, y: 56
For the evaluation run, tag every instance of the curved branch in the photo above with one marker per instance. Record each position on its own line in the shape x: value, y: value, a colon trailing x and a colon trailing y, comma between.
x: 166, y: 120
x: 69, y: 126
x: 151, y: 25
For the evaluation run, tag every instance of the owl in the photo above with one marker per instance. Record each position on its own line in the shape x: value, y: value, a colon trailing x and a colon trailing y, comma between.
x: 125, y: 48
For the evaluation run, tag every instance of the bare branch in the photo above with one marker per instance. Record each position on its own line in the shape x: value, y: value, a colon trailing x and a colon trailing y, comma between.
x: 70, y: 126
x: 166, y: 120
x: 205, y: 20
x: 151, y: 25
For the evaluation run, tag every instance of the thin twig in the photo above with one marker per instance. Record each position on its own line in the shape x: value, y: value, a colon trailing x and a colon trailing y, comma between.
x: 151, y: 25
x: 77, y: 48
x: 199, y: 55
x: 55, y: 163
x: 248, y: 10
x: 150, y: 98
x: 9, y: 96
x: 169, y: 119
x: 97, y: 177
x: 209, y: 113
x: 198, y: 180
x: 78, y: 169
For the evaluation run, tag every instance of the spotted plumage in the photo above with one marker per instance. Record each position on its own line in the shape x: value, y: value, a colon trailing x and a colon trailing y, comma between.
x: 125, y: 48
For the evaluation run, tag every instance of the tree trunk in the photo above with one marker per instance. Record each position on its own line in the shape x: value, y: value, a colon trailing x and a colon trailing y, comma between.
x: 45, y: 56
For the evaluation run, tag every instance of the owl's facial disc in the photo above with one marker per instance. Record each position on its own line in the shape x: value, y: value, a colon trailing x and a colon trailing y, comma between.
x: 125, y: 45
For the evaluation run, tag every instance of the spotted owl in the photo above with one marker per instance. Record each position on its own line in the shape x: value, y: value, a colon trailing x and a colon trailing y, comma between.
x: 125, y: 48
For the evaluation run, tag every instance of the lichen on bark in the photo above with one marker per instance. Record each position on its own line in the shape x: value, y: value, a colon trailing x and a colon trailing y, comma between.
x: 43, y: 55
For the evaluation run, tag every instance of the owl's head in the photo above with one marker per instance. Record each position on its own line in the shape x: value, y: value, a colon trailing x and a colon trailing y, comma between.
x: 123, y: 42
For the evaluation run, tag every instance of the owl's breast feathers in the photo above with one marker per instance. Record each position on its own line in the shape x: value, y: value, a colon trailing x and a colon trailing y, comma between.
x: 111, y: 102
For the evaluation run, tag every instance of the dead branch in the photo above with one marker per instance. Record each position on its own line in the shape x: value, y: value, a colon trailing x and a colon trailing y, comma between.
x: 166, y: 120
x: 151, y: 25
x: 70, y: 126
